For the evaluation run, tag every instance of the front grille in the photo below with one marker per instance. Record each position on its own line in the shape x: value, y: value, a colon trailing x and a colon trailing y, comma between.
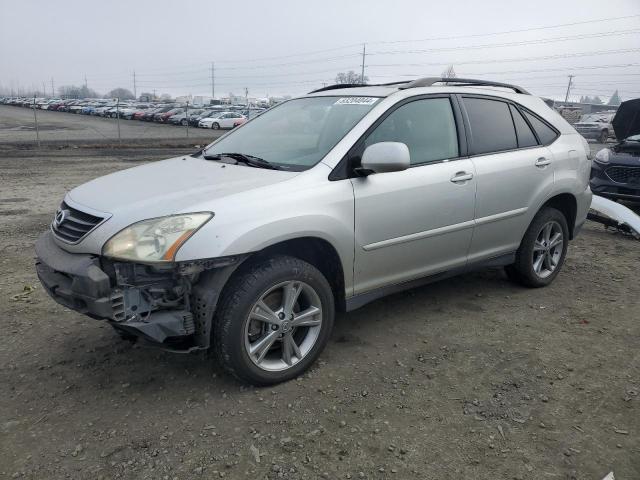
x: 71, y: 225
x: 624, y: 174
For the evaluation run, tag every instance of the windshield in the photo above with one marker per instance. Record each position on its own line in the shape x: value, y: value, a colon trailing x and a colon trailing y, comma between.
x: 633, y: 138
x: 297, y: 134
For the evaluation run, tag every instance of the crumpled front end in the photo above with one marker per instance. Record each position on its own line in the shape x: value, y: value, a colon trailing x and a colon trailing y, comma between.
x: 169, y: 305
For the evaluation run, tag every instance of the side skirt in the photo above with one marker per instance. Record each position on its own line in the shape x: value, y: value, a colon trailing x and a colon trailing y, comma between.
x: 362, y: 299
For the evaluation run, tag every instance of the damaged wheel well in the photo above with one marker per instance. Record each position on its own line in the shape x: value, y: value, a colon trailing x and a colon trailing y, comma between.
x: 566, y: 203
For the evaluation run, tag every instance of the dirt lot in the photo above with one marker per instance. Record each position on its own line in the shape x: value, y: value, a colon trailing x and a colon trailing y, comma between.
x: 470, y: 378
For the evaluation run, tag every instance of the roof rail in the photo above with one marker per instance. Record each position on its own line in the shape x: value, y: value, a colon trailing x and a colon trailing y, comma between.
x: 356, y: 85
x: 339, y: 85
x: 461, y: 82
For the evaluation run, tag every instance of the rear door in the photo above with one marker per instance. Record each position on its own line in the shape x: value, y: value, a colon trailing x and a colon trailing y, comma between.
x: 514, y: 171
x: 416, y: 222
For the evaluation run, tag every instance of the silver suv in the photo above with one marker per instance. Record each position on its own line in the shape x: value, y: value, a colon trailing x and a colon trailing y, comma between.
x: 322, y: 203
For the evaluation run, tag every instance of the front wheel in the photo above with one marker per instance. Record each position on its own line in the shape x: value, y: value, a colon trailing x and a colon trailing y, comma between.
x: 273, y: 321
x: 215, y: 126
x: 542, y: 251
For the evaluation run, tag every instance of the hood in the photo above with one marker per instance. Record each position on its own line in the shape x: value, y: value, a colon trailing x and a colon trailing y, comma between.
x: 627, y: 119
x: 171, y: 186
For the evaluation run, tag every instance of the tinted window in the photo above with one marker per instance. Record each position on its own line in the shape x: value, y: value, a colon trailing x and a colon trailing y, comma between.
x: 491, y: 125
x: 526, y: 138
x: 545, y: 133
x: 427, y: 127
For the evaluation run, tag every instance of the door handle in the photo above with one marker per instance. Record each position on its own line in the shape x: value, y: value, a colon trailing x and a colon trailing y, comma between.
x: 461, y: 177
x: 542, y: 162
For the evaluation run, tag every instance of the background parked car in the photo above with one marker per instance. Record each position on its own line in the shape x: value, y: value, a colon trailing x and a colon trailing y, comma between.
x: 222, y: 120
x: 596, y: 126
x: 183, y: 118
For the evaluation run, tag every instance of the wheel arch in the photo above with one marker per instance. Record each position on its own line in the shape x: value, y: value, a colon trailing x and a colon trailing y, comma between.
x: 316, y: 251
x: 567, y: 204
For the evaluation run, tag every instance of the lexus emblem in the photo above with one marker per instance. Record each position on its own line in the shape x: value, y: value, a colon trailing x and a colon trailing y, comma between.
x: 60, y: 217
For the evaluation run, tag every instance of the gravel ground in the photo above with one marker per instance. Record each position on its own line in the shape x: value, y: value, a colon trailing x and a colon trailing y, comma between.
x: 473, y: 377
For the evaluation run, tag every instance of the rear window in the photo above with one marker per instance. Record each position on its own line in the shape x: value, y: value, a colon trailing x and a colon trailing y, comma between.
x: 545, y: 133
x: 492, y: 128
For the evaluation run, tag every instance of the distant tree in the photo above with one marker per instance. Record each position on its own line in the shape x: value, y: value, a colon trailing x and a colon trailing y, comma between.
x: 596, y: 101
x: 587, y: 99
x: 121, y: 93
x: 72, y: 91
x: 350, y: 77
x: 615, y: 99
x: 165, y: 97
x: 449, y: 72
x: 582, y: 99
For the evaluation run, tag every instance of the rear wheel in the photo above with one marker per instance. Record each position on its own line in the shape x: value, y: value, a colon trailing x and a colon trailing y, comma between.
x: 542, y: 251
x: 183, y: 122
x: 273, y: 320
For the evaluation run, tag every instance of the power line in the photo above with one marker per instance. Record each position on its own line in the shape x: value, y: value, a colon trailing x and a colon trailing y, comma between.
x: 505, y: 32
x: 391, y: 42
x: 519, y: 59
x: 512, y: 44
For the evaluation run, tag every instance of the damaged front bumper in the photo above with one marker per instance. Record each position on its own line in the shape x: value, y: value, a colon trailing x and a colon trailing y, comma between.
x: 167, y: 305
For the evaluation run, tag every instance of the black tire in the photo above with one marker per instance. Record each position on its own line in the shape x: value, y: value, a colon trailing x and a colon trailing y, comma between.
x: 239, y: 296
x: 215, y: 126
x: 183, y: 122
x: 522, y: 271
x: 604, y: 135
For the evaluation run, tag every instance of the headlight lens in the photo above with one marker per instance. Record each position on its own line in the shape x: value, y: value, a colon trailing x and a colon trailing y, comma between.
x: 155, y: 240
x: 602, y: 156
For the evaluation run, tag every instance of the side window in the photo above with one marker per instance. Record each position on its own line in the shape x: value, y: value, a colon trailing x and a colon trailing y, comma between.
x: 526, y: 138
x: 491, y: 125
x: 545, y: 133
x: 427, y: 127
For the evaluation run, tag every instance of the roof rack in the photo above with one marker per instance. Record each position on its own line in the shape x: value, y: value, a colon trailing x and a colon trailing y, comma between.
x: 427, y: 82
x: 340, y: 85
x: 356, y: 85
x: 461, y: 82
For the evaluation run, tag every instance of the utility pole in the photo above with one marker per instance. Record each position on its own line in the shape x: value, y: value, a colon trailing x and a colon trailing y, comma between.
x: 364, y: 54
x: 135, y: 94
x: 85, y: 81
x: 213, y: 81
x: 44, y: 90
x: 566, y: 97
x: 53, y: 92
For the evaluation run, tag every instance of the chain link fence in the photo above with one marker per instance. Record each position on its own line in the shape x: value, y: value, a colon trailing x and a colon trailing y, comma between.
x: 35, y: 122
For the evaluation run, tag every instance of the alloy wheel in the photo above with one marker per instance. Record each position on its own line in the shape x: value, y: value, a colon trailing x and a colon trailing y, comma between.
x: 283, y: 326
x: 547, y: 249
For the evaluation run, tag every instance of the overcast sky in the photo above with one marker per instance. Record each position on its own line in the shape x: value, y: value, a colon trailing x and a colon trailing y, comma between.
x: 290, y: 47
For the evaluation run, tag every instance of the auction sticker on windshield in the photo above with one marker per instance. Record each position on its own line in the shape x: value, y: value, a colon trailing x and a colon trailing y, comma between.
x: 356, y: 101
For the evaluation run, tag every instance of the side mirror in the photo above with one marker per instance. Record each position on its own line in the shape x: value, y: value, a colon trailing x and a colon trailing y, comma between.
x: 384, y: 157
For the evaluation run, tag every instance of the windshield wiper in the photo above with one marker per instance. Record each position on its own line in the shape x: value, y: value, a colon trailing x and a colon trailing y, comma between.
x: 244, y: 158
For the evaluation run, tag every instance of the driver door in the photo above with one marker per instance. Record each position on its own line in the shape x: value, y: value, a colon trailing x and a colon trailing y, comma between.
x: 416, y: 222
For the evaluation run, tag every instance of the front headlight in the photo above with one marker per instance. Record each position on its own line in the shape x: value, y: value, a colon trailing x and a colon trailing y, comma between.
x: 602, y: 156
x: 155, y: 240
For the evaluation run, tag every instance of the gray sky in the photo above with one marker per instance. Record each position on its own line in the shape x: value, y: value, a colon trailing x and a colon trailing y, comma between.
x: 291, y: 47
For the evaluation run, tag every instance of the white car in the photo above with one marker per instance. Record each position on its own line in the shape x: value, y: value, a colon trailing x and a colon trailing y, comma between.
x: 222, y: 120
